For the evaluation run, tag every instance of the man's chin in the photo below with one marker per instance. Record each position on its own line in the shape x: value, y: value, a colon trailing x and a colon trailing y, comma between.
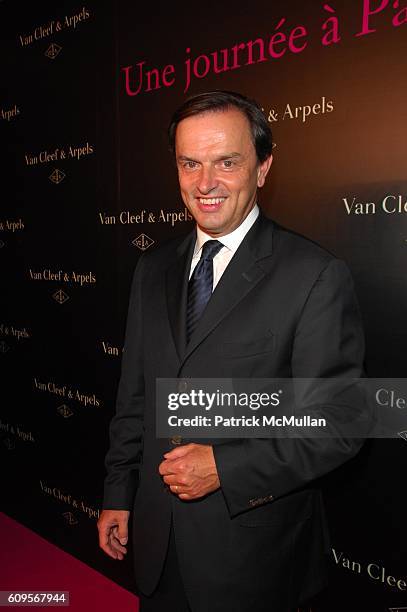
x: 212, y: 230
x: 210, y: 222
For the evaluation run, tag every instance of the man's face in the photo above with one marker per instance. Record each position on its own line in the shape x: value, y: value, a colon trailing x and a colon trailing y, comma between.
x: 218, y: 169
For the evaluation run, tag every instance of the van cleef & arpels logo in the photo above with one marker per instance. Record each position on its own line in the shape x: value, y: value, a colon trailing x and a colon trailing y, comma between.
x: 60, y: 296
x: 57, y: 176
x: 53, y: 51
x: 9, y: 225
x: 15, y: 332
x: 60, y: 276
x: 53, y: 27
x: 67, y: 498
x: 67, y: 393
x: 391, y: 204
x: 9, y: 114
x: 301, y: 112
x: 68, y: 152
x: 143, y: 242
x: 16, y: 431
x: 108, y: 349
x: 70, y: 518
x: 126, y: 217
x: 59, y: 154
x: 65, y: 411
x: 373, y: 570
x: 9, y: 444
x: 4, y: 347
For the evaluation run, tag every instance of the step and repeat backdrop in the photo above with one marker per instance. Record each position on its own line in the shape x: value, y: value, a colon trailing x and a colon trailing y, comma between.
x: 88, y: 184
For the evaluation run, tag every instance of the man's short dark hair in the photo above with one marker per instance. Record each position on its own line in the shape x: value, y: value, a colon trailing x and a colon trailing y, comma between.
x: 215, y: 101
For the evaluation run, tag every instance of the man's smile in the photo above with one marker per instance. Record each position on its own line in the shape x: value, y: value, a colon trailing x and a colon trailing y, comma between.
x: 210, y: 204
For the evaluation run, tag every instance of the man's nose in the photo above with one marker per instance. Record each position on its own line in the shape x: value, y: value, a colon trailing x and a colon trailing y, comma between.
x: 207, y: 180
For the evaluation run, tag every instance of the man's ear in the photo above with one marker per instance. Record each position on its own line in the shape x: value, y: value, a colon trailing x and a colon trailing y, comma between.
x: 262, y: 171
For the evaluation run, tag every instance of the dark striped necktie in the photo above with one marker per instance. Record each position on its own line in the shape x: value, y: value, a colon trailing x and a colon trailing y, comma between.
x: 200, y: 285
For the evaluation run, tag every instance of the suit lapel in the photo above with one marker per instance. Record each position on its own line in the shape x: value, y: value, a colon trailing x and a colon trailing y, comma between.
x: 245, y: 270
x: 177, y: 289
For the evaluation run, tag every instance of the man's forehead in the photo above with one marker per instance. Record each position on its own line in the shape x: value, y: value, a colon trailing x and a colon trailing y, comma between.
x: 213, y: 127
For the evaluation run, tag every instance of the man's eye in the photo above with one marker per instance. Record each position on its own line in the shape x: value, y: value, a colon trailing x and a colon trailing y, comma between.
x: 227, y: 163
x: 190, y: 165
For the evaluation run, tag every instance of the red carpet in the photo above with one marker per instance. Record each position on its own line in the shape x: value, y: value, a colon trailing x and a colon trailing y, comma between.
x: 30, y: 563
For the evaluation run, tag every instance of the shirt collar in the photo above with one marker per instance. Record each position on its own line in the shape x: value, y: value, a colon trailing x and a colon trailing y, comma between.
x: 231, y: 241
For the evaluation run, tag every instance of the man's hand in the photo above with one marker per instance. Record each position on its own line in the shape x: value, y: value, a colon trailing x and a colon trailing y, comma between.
x: 113, y: 533
x: 190, y: 471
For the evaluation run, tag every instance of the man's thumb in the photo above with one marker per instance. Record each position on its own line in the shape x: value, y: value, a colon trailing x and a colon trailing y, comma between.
x: 122, y: 534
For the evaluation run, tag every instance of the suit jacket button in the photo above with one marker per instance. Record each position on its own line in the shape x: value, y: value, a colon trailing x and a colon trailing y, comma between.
x: 176, y: 440
x: 182, y: 386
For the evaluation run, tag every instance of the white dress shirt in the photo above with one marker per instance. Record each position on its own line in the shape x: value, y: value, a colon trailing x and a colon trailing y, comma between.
x: 231, y: 243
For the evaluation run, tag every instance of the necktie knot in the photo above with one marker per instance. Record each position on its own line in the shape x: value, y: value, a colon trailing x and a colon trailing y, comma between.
x: 210, y: 249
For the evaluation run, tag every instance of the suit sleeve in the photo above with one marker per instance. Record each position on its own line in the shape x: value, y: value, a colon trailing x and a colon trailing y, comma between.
x: 328, y: 342
x: 123, y: 458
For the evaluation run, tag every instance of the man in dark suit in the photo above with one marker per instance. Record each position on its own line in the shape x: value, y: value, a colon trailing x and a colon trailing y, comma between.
x: 227, y: 524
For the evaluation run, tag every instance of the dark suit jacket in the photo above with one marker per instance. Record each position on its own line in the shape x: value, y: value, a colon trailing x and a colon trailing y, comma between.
x: 284, y: 307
